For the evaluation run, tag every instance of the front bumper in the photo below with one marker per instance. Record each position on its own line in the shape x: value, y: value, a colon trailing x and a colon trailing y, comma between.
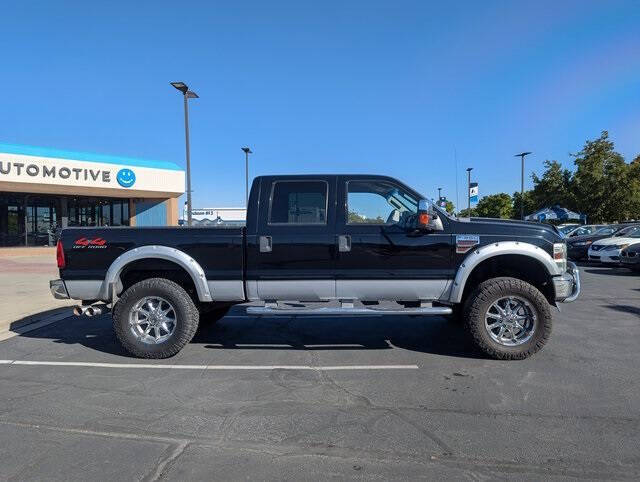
x: 567, y: 285
x: 611, y: 256
x: 58, y: 289
x: 577, y: 252
x: 631, y: 261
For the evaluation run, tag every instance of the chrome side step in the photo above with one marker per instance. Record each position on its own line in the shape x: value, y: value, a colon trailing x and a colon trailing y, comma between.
x: 430, y: 310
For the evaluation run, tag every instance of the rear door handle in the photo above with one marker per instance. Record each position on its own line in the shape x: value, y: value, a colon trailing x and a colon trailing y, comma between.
x: 266, y: 244
x: 344, y: 243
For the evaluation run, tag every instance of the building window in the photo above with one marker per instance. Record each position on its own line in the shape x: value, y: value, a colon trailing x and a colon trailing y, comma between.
x: 125, y: 213
x: 117, y: 214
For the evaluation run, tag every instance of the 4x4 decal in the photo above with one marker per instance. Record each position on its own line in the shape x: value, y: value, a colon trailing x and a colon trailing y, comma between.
x: 95, y: 243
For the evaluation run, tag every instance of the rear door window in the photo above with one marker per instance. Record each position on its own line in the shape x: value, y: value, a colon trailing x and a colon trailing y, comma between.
x: 298, y: 202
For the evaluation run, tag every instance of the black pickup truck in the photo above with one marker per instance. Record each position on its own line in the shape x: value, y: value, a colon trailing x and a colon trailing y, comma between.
x: 353, y: 244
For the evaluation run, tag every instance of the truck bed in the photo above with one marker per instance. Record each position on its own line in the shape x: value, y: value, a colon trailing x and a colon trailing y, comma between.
x: 90, y: 251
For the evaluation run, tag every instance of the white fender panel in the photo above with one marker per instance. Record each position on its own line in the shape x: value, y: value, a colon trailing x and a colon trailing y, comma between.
x: 181, y: 258
x: 477, y: 256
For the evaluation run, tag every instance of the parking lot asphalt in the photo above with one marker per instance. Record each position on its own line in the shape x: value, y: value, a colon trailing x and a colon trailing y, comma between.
x: 391, y: 397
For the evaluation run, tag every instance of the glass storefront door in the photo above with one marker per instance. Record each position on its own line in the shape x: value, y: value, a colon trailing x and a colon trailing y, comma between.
x: 41, y: 221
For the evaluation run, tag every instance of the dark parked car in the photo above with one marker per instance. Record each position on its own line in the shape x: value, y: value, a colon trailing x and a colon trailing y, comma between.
x: 584, y: 230
x: 630, y: 257
x: 577, y: 246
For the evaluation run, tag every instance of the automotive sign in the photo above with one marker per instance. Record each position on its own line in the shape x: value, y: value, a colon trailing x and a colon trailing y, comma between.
x: 54, y: 175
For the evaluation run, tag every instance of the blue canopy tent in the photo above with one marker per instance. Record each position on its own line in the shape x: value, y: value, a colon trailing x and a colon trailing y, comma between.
x: 555, y: 212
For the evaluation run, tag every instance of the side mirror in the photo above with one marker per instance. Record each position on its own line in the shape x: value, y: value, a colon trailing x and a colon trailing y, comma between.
x: 427, y: 218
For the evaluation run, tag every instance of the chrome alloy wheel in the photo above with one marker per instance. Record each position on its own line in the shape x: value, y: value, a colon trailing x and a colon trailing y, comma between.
x: 152, y: 320
x: 510, y: 321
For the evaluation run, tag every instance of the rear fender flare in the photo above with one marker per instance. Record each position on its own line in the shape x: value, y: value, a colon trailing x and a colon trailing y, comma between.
x: 190, y: 265
x: 477, y: 256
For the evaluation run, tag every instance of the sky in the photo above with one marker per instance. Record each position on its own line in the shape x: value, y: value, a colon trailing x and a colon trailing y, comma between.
x: 401, y: 88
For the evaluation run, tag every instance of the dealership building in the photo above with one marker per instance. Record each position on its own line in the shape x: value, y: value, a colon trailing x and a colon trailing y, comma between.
x: 44, y: 189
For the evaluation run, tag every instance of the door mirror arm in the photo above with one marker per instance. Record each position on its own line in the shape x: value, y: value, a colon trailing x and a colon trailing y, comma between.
x: 426, y: 219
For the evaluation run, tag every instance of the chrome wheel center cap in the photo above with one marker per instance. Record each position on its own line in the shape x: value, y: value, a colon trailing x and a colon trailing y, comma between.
x: 153, y: 320
x: 510, y: 321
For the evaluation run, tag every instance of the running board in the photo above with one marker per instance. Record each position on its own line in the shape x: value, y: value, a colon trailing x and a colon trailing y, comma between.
x: 432, y: 310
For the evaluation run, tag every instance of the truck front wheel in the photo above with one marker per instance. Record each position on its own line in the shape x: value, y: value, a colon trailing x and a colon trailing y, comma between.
x: 507, y: 318
x: 155, y: 318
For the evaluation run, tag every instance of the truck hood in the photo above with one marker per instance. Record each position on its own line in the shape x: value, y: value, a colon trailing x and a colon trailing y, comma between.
x: 509, y: 227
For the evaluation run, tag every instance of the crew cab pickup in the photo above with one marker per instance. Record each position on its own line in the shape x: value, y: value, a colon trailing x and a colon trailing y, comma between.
x: 354, y: 244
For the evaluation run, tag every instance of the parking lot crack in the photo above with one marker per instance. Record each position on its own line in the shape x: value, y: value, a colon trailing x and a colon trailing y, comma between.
x: 172, y: 453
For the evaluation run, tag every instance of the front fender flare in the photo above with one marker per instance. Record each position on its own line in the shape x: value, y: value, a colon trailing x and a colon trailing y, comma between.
x: 477, y: 256
x: 181, y: 258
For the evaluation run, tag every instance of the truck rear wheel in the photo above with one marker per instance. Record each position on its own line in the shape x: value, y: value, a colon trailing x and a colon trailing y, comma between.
x: 155, y: 318
x: 507, y: 318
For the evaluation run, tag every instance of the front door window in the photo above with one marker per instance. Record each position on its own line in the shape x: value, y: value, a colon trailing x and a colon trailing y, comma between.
x: 378, y: 202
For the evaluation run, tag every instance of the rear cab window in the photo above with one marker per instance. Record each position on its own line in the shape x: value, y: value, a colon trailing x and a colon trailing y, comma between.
x: 298, y: 203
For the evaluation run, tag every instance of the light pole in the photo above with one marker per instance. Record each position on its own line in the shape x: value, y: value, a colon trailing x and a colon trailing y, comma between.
x: 439, y: 193
x: 469, y: 169
x: 522, y: 156
x: 187, y: 94
x: 247, y: 151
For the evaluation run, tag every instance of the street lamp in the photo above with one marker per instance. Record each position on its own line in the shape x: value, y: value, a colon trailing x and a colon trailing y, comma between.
x: 187, y: 94
x: 439, y: 191
x: 247, y: 151
x: 522, y: 156
x: 469, y: 169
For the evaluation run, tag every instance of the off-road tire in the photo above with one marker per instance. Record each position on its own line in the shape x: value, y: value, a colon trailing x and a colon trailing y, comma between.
x: 187, y: 317
x: 210, y: 313
x: 487, y: 293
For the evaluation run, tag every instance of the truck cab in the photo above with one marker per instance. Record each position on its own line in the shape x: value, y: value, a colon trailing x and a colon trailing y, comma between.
x: 344, y: 237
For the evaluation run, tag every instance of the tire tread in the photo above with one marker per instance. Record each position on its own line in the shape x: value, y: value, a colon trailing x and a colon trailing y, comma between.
x: 496, y: 287
x: 174, y: 344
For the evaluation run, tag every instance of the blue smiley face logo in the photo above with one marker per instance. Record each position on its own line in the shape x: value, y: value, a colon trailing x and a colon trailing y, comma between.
x: 126, y: 177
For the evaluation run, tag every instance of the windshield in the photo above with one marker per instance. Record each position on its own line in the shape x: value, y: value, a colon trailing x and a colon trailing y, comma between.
x: 566, y: 229
x: 626, y: 231
x: 634, y: 233
x: 604, y: 231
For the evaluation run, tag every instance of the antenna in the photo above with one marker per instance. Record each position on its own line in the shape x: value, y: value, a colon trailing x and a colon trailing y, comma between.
x: 455, y: 158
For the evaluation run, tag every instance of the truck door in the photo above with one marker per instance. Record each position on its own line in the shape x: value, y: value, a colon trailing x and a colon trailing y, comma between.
x: 379, y: 259
x: 292, y: 255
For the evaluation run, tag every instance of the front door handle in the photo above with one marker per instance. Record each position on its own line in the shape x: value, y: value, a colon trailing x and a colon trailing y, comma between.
x: 266, y: 244
x: 344, y: 243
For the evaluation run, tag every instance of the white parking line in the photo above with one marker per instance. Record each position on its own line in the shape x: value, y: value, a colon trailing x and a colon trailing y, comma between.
x: 207, y: 367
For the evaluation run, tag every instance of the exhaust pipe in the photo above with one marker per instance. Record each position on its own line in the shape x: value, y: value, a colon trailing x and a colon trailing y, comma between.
x: 91, y: 310
x: 95, y: 310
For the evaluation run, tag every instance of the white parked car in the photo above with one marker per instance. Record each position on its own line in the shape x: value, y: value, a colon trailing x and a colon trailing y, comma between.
x: 608, y: 250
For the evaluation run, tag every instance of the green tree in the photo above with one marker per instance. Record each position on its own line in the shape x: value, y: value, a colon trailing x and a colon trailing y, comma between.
x: 468, y: 213
x: 495, y: 206
x: 529, y: 205
x: 602, y: 183
x: 633, y: 202
x: 355, y: 218
x: 450, y: 207
x: 554, y: 187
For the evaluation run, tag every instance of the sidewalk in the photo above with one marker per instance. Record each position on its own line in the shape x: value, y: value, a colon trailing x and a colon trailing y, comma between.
x: 25, y: 300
